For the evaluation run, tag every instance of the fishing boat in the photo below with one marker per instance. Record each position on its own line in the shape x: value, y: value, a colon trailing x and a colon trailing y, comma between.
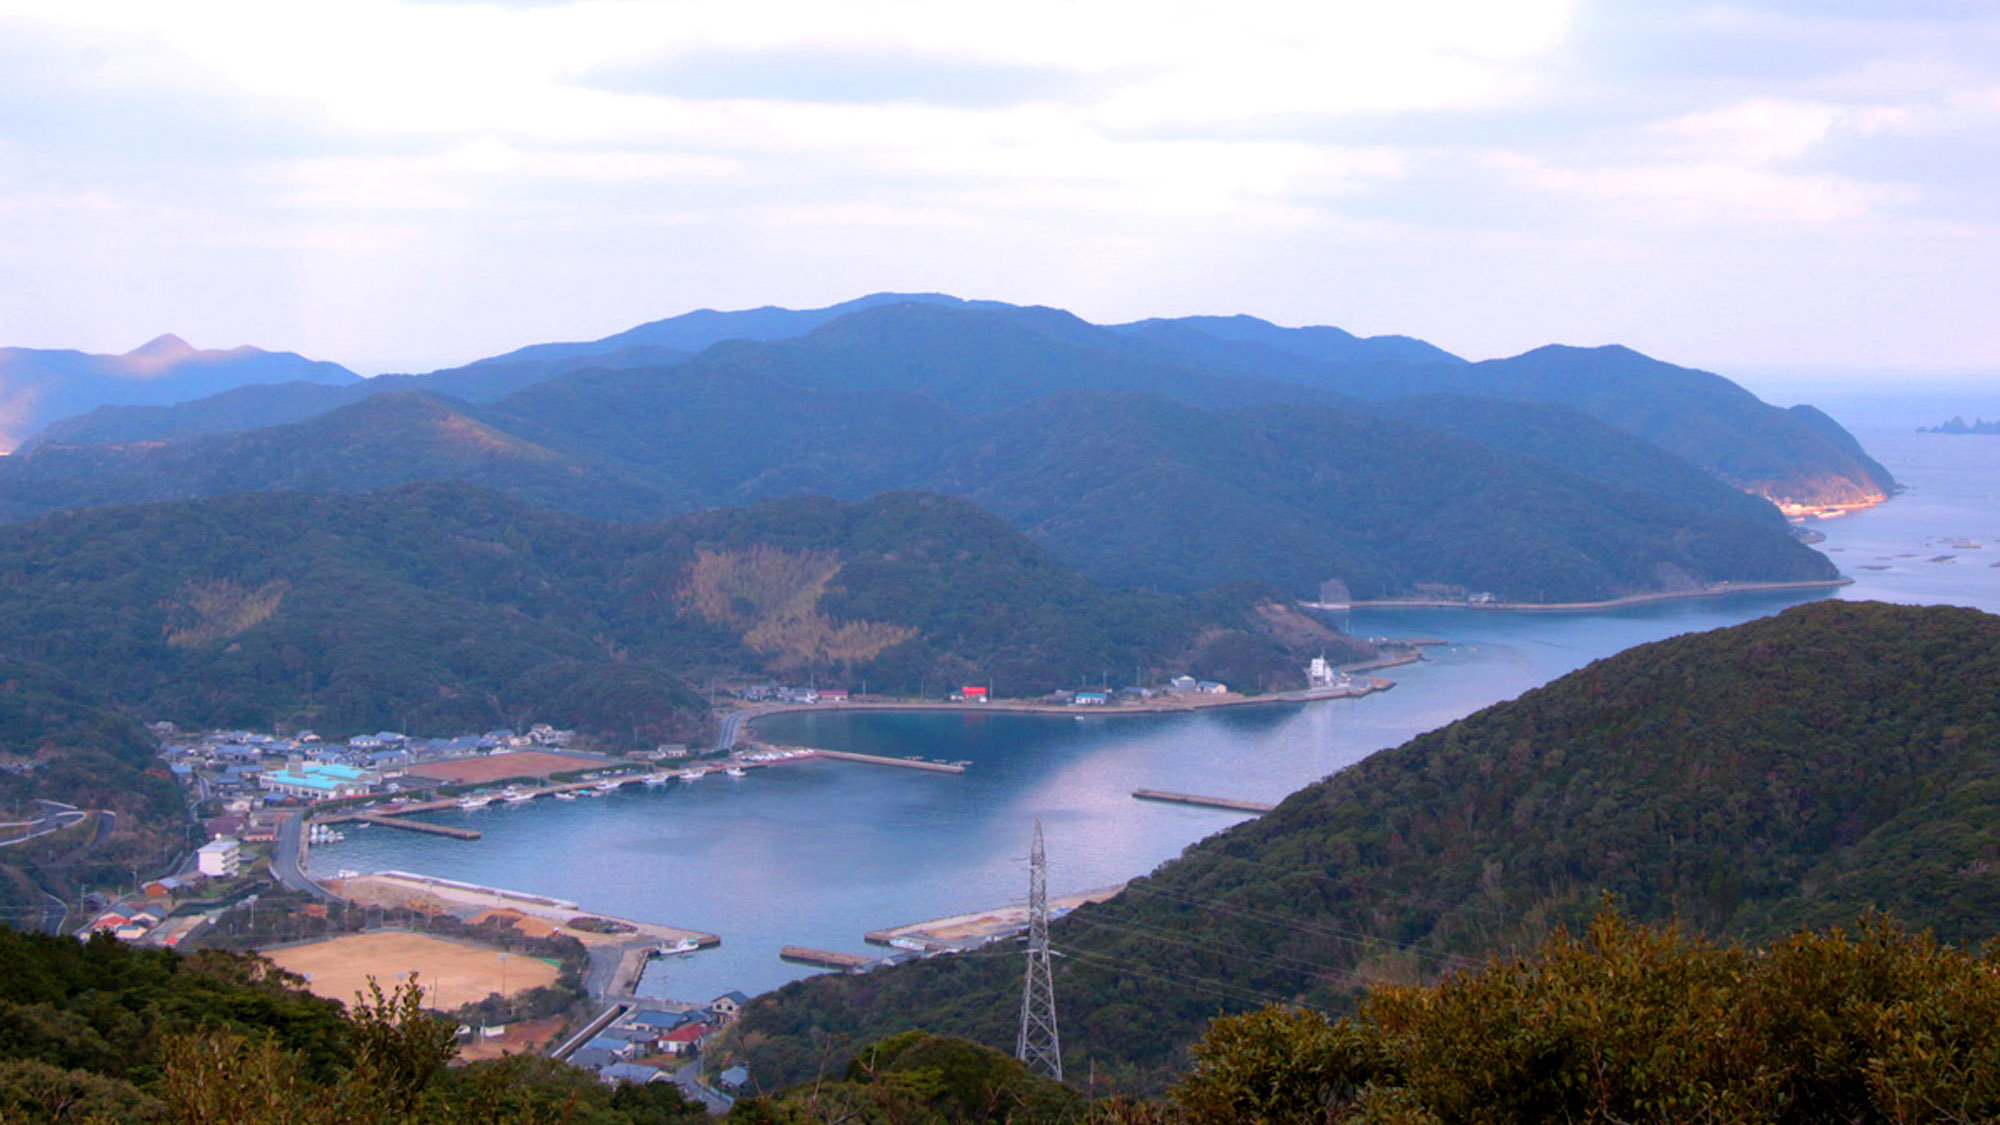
x: 734, y: 771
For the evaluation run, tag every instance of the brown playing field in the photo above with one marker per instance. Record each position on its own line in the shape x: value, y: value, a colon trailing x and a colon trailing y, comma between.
x: 500, y: 767
x: 452, y: 973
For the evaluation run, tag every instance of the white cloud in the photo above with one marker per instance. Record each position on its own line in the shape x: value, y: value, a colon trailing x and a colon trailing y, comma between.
x: 1768, y: 130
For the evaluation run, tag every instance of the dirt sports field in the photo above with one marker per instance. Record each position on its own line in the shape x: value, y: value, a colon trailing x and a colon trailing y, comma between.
x: 452, y: 972
x: 499, y: 767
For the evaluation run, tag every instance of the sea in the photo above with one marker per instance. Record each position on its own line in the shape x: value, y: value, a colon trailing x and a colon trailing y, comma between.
x: 817, y: 853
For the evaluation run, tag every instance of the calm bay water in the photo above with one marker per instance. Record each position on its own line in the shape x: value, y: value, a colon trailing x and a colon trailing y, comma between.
x: 817, y: 853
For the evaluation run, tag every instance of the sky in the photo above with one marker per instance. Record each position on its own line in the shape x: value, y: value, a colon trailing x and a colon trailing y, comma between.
x: 1785, y: 188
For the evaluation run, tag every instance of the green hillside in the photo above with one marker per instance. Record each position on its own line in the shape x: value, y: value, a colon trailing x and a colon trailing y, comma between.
x: 438, y: 608
x: 1792, y: 771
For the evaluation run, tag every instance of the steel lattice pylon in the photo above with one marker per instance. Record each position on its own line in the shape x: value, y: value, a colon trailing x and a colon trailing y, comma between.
x: 1039, y: 1045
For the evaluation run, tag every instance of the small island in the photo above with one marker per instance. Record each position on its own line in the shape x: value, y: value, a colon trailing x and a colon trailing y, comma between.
x: 1958, y: 425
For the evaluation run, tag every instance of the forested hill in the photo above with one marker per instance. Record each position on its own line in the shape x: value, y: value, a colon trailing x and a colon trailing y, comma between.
x: 440, y: 608
x: 1795, y: 770
x: 1528, y: 502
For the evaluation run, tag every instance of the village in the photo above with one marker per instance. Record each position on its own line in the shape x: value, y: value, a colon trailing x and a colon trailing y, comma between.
x: 521, y: 973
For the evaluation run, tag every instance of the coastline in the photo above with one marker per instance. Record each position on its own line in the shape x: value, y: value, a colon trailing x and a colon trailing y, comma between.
x: 740, y: 724
x: 1722, y: 590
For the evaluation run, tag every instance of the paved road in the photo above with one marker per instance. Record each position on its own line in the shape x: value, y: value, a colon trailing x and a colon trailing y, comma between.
x: 54, y: 915
x: 688, y: 1078
x: 286, y: 859
x: 732, y: 725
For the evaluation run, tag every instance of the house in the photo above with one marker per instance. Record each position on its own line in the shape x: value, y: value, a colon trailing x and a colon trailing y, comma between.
x: 620, y: 1048
x: 169, y: 885
x: 735, y: 1080
x: 833, y: 695
x: 1211, y: 687
x: 219, y: 858
x: 656, y: 1019
x: 1090, y: 698
x: 972, y: 693
x: 1182, y: 685
x: 593, y: 1058
x: 728, y: 1004
x: 631, y: 1072
x: 684, y: 1040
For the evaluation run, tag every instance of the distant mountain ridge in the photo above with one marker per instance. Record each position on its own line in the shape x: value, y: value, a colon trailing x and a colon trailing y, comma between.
x: 39, y: 387
x: 1128, y: 458
x: 1796, y: 456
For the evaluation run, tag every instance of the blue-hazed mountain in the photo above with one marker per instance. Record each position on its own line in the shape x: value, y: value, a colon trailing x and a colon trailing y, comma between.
x: 1007, y: 353
x: 1133, y: 488
x: 38, y: 387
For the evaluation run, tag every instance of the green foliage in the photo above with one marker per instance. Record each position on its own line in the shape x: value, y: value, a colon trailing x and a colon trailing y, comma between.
x: 1791, y: 772
x: 916, y: 1076
x: 1635, y: 1024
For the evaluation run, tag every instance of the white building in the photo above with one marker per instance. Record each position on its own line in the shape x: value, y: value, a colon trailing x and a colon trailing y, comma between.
x: 220, y: 857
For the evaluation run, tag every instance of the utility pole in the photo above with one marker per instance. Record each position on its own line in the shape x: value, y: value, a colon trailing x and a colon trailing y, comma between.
x: 1039, y: 1046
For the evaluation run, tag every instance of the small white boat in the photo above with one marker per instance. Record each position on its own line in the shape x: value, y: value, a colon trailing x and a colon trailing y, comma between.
x: 606, y: 786
x: 517, y: 798
x: 689, y: 775
x: 653, y: 779
x: 734, y: 771
x: 470, y: 803
x: 684, y: 945
x: 565, y: 795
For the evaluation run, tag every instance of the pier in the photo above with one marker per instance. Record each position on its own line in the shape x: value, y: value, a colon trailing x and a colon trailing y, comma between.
x: 414, y: 825
x: 826, y: 958
x: 879, y: 760
x: 1230, y: 803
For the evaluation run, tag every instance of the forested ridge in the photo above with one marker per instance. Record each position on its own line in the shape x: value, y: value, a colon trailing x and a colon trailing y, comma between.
x: 1173, y: 456
x: 441, y: 608
x: 1796, y: 770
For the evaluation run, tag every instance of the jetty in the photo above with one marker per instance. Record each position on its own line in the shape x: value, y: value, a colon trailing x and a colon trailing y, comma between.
x: 881, y: 760
x: 1231, y: 803
x: 414, y: 825
x: 826, y: 958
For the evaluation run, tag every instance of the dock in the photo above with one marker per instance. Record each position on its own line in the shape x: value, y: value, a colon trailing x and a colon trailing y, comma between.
x: 416, y: 826
x: 826, y: 958
x: 1230, y: 803
x: 880, y: 760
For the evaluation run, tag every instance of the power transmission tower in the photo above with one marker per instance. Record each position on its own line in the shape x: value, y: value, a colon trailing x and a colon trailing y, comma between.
x: 1039, y: 1046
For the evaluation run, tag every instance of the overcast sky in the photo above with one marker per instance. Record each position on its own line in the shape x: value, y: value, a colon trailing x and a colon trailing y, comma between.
x: 1788, y: 184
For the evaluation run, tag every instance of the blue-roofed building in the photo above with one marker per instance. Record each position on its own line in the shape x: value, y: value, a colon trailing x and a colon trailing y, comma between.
x: 319, y: 781
x: 734, y: 1079
x: 631, y: 1072
x: 619, y: 1048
